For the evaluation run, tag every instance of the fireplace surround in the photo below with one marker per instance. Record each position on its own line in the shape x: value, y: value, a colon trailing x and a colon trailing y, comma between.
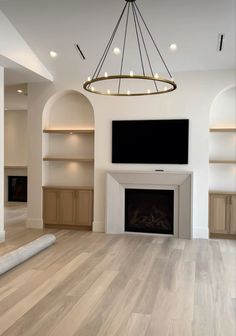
x: 180, y: 182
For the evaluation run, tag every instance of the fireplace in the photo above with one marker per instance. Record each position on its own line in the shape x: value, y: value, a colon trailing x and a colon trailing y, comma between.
x: 17, y: 188
x: 149, y: 211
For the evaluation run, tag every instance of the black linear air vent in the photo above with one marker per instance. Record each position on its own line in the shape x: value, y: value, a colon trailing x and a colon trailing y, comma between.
x: 80, y: 52
x: 220, y: 42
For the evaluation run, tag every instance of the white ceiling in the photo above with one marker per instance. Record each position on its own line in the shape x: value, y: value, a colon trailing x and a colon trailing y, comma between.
x: 58, y: 24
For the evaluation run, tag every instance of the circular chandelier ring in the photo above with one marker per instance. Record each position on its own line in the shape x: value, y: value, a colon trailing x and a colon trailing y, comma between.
x: 87, y: 85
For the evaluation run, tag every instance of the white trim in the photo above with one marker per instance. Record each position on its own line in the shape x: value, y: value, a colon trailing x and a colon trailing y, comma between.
x: 98, y: 226
x: 34, y: 223
x: 118, y: 180
x: 200, y: 232
x: 2, y: 236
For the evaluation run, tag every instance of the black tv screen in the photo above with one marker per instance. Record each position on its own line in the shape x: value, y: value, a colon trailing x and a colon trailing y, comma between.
x: 150, y: 141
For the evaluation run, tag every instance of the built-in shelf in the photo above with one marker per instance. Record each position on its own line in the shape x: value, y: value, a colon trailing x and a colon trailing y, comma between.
x: 69, y: 131
x: 15, y: 167
x: 68, y: 159
x: 221, y: 129
x: 223, y: 161
x: 68, y: 187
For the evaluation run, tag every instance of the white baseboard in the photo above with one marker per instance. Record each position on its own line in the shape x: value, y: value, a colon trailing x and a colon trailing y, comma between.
x: 34, y: 223
x: 2, y: 236
x: 98, y: 226
x: 200, y: 232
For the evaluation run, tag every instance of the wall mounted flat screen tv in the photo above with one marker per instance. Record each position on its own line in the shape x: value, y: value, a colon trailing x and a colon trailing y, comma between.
x: 150, y: 141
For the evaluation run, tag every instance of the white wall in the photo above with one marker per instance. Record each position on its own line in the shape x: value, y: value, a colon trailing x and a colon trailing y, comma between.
x: 14, y: 47
x: 2, y: 233
x: 223, y: 109
x: 15, y: 138
x: 192, y: 99
x: 13, y: 100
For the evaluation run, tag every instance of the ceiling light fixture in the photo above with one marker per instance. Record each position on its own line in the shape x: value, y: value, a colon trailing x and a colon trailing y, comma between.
x: 147, y: 73
x: 19, y: 91
x: 116, y: 51
x: 53, y: 54
x: 173, y: 47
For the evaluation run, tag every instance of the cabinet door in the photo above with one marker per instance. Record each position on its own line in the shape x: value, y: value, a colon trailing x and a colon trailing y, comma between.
x: 50, y: 206
x: 67, y: 207
x: 218, y: 214
x: 84, y: 207
x: 232, y: 226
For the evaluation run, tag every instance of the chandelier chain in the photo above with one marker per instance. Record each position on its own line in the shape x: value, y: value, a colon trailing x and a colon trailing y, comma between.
x: 102, y: 60
x: 145, y: 48
x: 153, y: 41
x: 124, y: 44
x: 137, y: 35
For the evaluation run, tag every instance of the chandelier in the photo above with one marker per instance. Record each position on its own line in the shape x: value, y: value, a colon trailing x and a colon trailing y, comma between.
x: 145, y: 80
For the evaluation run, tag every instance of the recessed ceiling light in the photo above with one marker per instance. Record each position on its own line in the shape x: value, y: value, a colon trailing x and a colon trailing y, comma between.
x: 173, y: 46
x: 53, y: 54
x: 19, y: 91
x: 116, y: 51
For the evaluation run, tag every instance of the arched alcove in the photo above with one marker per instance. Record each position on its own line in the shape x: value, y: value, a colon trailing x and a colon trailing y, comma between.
x: 222, y: 142
x: 68, y: 155
x: 68, y: 109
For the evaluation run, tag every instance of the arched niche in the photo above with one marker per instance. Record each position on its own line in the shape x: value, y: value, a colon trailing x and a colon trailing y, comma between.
x: 223, y: 107
x: 68, y: 110
x: 222, y: 176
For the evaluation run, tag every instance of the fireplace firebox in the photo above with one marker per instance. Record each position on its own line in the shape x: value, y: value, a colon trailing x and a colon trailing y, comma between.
x: 17, y: 188
x: 149, y: 211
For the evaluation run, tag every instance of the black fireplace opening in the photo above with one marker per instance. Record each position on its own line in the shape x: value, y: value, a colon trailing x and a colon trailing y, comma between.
x: 17, y: 188
x: 149, y: 211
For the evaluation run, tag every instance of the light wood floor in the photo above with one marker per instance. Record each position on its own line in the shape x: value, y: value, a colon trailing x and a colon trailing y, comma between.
x: 91, y: 284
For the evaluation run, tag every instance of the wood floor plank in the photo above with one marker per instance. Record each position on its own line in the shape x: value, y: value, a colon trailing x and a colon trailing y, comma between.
x: 93, y: 284
x: 13, y: 314
x: 71, y: 322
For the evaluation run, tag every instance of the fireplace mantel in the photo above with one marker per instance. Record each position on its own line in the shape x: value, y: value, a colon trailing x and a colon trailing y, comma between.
x: 117, y: 181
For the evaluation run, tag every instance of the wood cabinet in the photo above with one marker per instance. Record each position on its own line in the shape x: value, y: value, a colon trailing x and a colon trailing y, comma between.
x: 222, y: 214
x: 67, y: 207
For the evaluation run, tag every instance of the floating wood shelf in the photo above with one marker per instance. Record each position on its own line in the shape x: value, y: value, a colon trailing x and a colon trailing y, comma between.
x: 229, y: 129
x: 223, y: 161
x: 68, y: 159
x: 69, y: 131
x: 15, y: 167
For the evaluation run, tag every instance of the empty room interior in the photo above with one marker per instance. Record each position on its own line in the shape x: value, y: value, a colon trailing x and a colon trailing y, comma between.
x: 117, y: 168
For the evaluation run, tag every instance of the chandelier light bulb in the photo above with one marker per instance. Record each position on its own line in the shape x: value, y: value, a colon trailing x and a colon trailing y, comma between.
x: 148, y: 91
x: 108, y: 91
x: 128, y: 92
x: 165, y: 88
x: 156, y: 75
x: 106, y: 74
x: 92, y: 89
x: 89, y: 79
x: 131, y: 73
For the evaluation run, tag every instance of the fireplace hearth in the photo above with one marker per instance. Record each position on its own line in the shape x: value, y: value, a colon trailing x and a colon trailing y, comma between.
x: 149, y: 211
